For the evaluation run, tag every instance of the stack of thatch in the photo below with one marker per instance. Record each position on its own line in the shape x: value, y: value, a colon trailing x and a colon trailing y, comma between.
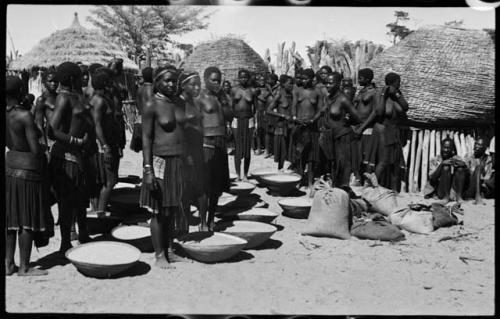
x: 228, y: 54
x: 75, y: 44
x: 448, y: 75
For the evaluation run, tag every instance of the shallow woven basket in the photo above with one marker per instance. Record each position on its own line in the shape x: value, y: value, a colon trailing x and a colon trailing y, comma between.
x: 144, y: 244
x: 125, y: 201
x: 102, y: 225
x: 254, y: 233
x: 99, y: 270
x: 299, y: 212
x: 245, y: 190
x: 132, y: 179
x: 257, y: 214
x: 259, y: 174
x: 211, y: 253
x: 281, y: 187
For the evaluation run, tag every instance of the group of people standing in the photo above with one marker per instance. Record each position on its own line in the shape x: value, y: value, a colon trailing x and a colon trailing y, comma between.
x: 73, y: 143
x: 64, y: 149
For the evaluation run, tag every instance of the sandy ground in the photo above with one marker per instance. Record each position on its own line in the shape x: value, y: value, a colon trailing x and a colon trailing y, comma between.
x: 290, y: 274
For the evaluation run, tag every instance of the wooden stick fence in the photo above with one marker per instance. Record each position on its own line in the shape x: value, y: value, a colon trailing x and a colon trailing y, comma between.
x: 424, y: 144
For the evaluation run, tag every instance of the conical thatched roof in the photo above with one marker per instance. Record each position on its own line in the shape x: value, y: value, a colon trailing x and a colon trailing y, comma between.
x: 76, y: 44
x: 448, y: 75
x: 228, y: 54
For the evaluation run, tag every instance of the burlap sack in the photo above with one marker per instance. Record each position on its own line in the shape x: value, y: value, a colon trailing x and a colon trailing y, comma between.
x: 329, y: 216
x: 420, y: 222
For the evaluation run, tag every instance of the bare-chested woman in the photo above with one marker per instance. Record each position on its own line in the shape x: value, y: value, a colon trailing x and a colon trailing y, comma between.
x: 261, y: 104
x: 306, y: 109
x: 337, y: 106
x: 45, y: 105
x: 391, y: 170
x: 164, y: 154
x: 27, y: 208
x: 273, y: 87
x: 364, y: 101
x: 215, y: 112
x: 103, y: 114
x: 144, y: 94
x: 281, y: 109
x: 70, y: 128
x: 190, y: 85
x: 244, y: 100
x: 119, y: 95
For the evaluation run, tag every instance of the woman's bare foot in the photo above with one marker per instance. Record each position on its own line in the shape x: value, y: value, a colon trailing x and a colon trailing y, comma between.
x: 32, y: 272
x: 173, y: 258
x: 211, y: 225
x: 162, y: 262
x: 479, y: 201
x: 443, y: 201
x: 11, y: 269
x: 245, y: 178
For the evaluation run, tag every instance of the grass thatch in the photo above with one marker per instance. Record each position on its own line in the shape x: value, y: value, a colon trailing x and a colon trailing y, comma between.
x: 447, y: 74
x: 76, y: 44
x: 229, y: 54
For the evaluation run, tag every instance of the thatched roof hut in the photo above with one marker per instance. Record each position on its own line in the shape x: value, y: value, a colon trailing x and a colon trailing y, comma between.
x: 448, y: 75
x: 228, y: 54
x: 75, y: 43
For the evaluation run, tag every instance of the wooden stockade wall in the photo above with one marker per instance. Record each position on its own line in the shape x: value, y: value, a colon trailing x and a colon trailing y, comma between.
x: 421, y: 145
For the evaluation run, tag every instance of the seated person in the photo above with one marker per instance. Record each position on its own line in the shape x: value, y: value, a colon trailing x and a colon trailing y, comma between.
x: 482, y: 181
x: 448, y: 174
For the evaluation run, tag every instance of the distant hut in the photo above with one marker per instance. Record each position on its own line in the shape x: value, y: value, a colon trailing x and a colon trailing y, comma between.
x: 448, y: 78
x: 76, y: 44
x: 448, y: 75
x: 228, y: 54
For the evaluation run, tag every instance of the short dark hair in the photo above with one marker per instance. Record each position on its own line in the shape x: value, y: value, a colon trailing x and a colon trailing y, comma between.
x: 210, y: 70
x: 66, y: 71
x: 147, y: 74
x: 391, y: 78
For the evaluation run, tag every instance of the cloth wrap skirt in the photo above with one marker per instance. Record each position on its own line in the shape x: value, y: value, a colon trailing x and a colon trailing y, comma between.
x: 68, y: 176
x: 280, y: 144
x: 243, y: 135
x: 216, y: 165
x: 345, y: 152
x: 195, y: 174
x: 26, y: 193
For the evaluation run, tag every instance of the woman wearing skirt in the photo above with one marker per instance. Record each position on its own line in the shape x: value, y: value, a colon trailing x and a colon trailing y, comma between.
x: 27, y: 207
x: 164, y: 151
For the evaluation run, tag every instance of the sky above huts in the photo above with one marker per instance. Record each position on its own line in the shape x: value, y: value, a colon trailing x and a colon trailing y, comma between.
x: 260, y: 27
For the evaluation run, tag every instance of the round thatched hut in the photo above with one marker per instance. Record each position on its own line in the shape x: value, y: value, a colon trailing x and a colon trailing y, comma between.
x: 448, y: 75
x: 76, y: 44
x: 228, y: 54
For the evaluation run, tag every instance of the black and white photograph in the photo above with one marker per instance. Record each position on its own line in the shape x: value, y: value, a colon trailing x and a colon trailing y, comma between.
x: 235, y: 158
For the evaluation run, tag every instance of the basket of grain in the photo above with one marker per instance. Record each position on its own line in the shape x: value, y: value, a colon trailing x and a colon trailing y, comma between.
x: 137, y: 236
x: 103, y: 259
x: 211, y: 247
x: 282, y: 184
x: 125, y: 201
x: 296, y: 207
x: 130, y: 179
x: 254, y: 233
x: 262, y: 215
x: 241, y: 188
x: 101, y: 222
x: 258, y: 174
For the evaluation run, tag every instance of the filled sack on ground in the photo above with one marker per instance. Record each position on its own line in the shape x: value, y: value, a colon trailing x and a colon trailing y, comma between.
x: 376, y: 230
x: 443, y: 216
x: 329, y: 216
x: 420, y: 222
x: 381, y: 199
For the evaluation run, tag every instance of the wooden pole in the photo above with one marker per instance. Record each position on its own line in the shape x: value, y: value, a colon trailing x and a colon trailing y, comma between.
x: 438, y: 142
x: 432, y: 145
x: 406, y: 152
x: 456, y: 139
x: 464, y: 144
x: 412, y: 159
x: 418, y: 161
x: 425, y: 160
